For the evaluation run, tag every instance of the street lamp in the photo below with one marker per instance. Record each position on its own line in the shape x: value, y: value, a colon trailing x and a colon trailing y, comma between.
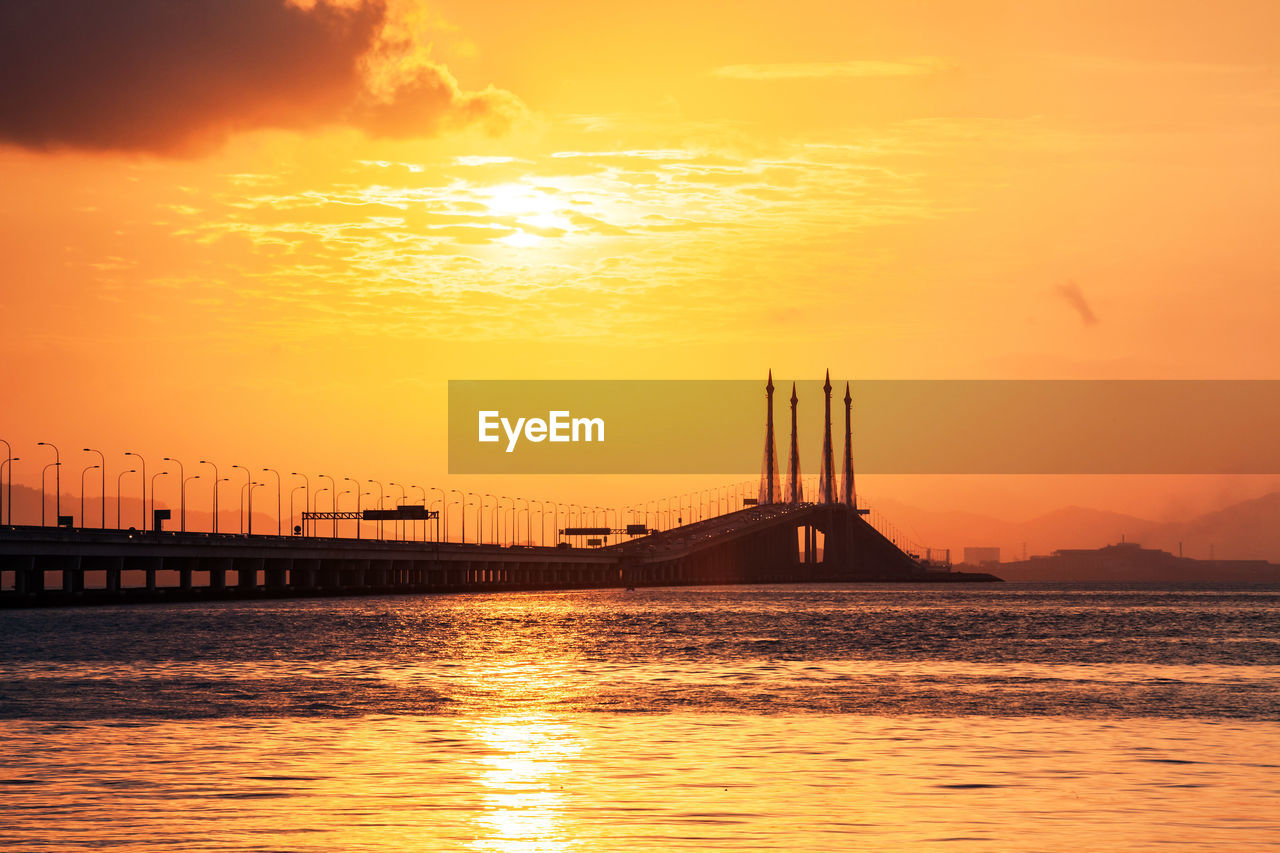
x: 555, y: 520
x: 102, y: 459
x: 82, y: 473
x: 500, y: 518
x: 316, y: 509
x: 379, y: 485
x: 403, y: 498
x: 278, y: 488
x: 528, y: 520
x: 333, y: 492
x: 248, y: 479
x: 242, y: 491
x: 306, y: 498
x: 293, y: 492
x: 43, y: 473
x: 184, y: 489
x: 118, y: 496
x: 9, y: 460
x: 153, y: 493
x: 216, y: 481
x: 426, y: 508
x: 57, y: 478
x: 182, y: 494
x: 479, y: 505
x: 253, y: 484
x: 355, y: 487
x: 494, y: 517
x: 441, y: 491
x: 462, y: 506
x: 144, y: 486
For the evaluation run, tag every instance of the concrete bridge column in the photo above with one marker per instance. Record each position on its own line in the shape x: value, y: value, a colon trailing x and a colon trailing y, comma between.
x: 218, y: 568
x: 247, y: 569
x: 330, y: 574
x: 72, y: 577
x: 380, y: 574
x: 184, y: 566
x: 26, y: 580
x: 304, y: 574
x: 275, y: 573
x: 114, y: 566
x: 354, y: 574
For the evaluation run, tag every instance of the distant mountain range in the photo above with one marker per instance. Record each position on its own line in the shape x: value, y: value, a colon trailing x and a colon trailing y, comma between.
x: 1249, y: 530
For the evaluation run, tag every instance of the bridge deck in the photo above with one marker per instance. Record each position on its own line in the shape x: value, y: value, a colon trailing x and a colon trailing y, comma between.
x: 42, y: 565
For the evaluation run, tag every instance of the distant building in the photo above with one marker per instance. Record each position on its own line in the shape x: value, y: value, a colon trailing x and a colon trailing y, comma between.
x: 981, y: 556
x: 1129, y: 561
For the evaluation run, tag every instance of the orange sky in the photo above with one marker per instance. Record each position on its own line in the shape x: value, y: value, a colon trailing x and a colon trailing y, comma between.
x: 283, y: 256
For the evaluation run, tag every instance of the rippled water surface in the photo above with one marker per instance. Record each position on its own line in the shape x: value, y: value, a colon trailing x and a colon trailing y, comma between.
x: 1010, y: 717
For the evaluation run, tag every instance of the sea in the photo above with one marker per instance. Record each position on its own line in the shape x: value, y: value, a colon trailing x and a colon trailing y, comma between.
x: 959, y: 717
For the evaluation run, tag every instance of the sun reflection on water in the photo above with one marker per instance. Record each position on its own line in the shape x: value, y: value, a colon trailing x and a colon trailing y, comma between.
x: 521, y: 783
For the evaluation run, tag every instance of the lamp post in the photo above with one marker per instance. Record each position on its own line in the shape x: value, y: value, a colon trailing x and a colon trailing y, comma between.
x: 82, y: 473
x: 248, y: 480
x: 379, y: 485
x: 8, y: 500
x: 333, y: 491
x: 57, y: 479
x: 144, y: 486
x: 316, y: 508
x: 253, y: 484
x: 293, y: 492
x: 153, y: 493
x: 433, y: 488
x: 479, y: 505
x: 427, y: 507
x: 500, y: 518
x: 306, y: 498
x: 493, y: 518
x: 118, y: 496
x: 355, y: 487
x: 216, y: 481
x: 403, y: 498
x: 184, y: 489
x: 555, y: 520
x: 279, y: 486
x: 43, y: 472
x: 444, y: 511
x: 462, y: 505
x: 182, y: 494
x: 8, y: 458
x: 102, y: 461
x: 528, y: 520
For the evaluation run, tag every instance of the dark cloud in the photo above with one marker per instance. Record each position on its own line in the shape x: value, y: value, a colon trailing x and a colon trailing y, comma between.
x: 1074, y: 297
x: 178, y: 76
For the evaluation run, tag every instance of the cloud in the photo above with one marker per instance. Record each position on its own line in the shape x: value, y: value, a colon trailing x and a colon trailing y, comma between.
x: 1074, y: 297
x: 179, y: 77
x: 852, y: 68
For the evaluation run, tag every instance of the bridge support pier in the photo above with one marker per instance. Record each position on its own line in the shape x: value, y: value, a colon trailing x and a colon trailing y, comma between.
x: 275, y: 573
x: 247, y: 569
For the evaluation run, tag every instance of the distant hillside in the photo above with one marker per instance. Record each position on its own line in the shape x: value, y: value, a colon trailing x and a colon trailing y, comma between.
x: 1249, y: 530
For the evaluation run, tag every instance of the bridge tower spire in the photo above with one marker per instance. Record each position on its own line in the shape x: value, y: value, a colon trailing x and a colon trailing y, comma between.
x: 848, y: 495
x: 795, y: 488
x: 827, y: 476
x: 770, y: 481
